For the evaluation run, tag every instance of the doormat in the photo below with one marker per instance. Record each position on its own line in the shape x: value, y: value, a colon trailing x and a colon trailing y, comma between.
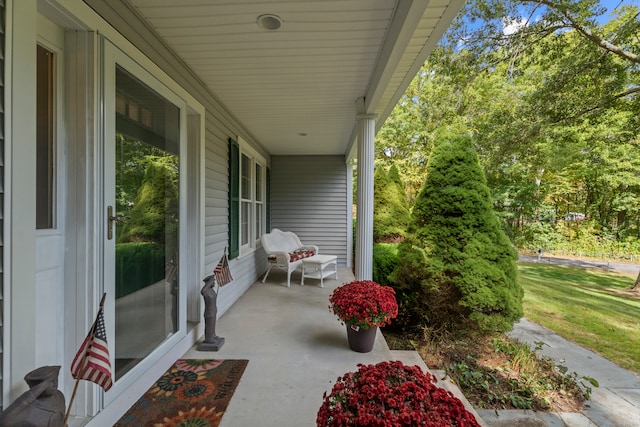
x: 192, y: 392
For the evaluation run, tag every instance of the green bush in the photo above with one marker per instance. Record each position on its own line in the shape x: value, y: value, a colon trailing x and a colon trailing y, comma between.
x: 456, y: 263
x: 582, y: 238
x: 154, y: 216
x: 139, y: 265
x: 540, y: 235
x: 390, y: 208
x: 385, y: 260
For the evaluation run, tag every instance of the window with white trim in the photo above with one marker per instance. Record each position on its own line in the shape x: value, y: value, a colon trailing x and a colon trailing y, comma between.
x: 252, y: 178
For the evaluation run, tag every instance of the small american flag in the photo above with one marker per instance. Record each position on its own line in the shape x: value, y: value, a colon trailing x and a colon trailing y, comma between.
x: 92, y: 360
x: 222, y: 271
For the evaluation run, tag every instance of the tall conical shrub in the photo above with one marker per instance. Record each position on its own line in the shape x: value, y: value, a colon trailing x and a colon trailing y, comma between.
x: 154, y: 216
x: 457, y: 268
x: 390, y: 209
x: 394, y: 176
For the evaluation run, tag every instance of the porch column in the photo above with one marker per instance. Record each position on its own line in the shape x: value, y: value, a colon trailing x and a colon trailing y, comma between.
x: 364, y: 203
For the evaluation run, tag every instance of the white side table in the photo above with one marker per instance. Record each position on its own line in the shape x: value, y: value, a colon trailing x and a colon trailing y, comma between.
x: 315, y: 267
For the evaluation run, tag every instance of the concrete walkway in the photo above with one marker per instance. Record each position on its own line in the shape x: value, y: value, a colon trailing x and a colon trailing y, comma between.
x: 615, y: 403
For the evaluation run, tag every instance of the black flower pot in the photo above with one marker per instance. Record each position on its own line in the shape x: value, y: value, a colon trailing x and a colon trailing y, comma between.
x: 361, y: 340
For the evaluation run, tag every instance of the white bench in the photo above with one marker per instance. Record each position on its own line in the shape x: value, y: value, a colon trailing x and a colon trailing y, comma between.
x: 285, y: 251
x: 315, y: 267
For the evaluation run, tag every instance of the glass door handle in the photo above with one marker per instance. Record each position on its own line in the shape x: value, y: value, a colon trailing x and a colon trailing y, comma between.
x: 112, y: 219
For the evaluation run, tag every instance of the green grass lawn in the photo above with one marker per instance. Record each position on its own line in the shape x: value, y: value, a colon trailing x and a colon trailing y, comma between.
x: 588, y: 307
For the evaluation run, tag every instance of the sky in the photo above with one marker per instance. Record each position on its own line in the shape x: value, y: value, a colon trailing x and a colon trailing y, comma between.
x: 611, y: 4
x: 510, y: 28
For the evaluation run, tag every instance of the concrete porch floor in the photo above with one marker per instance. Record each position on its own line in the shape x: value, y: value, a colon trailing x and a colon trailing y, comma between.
x: 296, y: 349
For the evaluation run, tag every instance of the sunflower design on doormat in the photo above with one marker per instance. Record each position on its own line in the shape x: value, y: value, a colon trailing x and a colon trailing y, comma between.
x: 192, y: 393
x: 175, y: 379
x: 202, y: 417
x: 195, y: 391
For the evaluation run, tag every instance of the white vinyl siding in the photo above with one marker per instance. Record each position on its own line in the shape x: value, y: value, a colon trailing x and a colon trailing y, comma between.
x: 309, y: 197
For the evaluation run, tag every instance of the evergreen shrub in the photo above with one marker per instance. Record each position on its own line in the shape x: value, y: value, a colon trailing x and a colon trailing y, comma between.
x: 154, y: 216
x: 456, y: 263
x: 139, y: 265
x: 385, y: 260
x: 390, y: 208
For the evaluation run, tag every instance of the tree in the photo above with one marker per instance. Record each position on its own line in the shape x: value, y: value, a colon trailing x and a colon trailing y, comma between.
x: 404, y: 141
x: 551, y: 94
x: 457, y: 267
x: 598, y: 72
x: 148, y: 238
x: 394, y: 176
x: 154, y: 215
x: 390, y: 209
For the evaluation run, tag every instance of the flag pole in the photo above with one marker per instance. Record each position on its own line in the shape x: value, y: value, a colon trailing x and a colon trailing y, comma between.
x: 83, y: 362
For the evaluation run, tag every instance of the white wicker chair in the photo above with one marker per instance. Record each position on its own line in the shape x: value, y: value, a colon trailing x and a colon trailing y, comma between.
x: 285, y: 251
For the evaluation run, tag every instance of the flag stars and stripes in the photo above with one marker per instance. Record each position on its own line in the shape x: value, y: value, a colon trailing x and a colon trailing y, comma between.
x: 222, y: 272
x: 92, y: 359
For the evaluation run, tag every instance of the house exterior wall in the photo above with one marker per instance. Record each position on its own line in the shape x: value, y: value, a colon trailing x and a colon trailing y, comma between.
x: 309, y: 196
x: 29, y: 316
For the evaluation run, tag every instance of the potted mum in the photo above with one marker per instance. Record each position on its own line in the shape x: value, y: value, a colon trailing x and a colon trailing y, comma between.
x: 363, y: 305
x: 391, y: 394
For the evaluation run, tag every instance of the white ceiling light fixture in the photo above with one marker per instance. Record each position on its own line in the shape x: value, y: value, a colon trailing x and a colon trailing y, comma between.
x: 269, y: 22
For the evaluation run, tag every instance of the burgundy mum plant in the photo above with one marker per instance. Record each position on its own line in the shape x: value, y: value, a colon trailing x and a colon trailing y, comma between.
x: 391, y: 394
x: 364, y: 304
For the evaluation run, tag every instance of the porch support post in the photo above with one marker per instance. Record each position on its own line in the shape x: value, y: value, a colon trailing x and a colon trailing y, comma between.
x: 364, y: 216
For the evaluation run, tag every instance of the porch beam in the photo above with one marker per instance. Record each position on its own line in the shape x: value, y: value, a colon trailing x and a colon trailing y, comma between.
x: 366, y: 124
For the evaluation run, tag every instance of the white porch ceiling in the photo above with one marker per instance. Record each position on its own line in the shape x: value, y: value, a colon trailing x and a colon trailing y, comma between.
x: 295, y: 89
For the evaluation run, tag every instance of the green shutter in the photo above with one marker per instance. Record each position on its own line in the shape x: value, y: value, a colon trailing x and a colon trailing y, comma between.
x: 268, y: 201
x: 234, y: 199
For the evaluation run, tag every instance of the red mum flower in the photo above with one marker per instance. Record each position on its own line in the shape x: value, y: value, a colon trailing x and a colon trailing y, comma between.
x: 391, y: 394
x: 364, y: 304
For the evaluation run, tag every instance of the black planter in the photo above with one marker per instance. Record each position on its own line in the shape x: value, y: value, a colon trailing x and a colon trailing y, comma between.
x: 361, y: 340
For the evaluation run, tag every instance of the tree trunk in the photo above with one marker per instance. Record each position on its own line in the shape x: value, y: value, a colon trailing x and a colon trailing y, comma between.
x: 636, y: 285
